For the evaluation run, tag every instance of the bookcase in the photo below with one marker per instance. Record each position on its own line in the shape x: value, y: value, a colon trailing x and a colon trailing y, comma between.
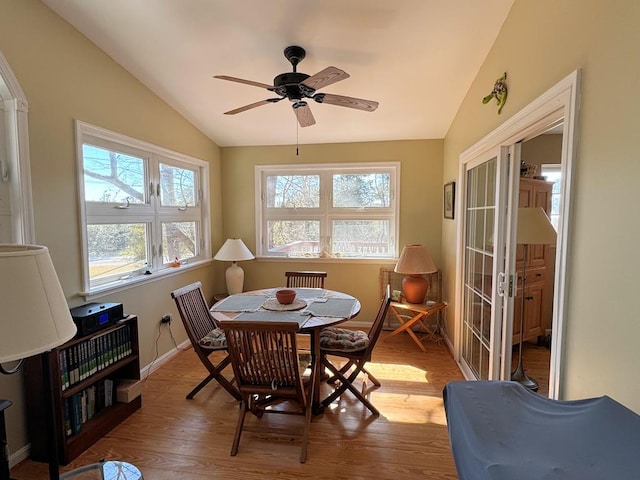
x: 85, y: 373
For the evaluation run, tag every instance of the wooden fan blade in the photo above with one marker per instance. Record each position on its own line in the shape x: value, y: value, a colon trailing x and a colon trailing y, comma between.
x: 303, y: 114
x: 246, y: 82
x: 252, y: 105
x: 341, y: 101
x: 325, y: 77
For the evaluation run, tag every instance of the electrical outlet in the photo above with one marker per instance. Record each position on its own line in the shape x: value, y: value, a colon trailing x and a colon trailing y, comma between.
x: 166, y: 319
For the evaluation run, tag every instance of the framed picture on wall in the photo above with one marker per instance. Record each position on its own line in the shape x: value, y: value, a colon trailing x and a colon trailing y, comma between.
x: 449, y: 199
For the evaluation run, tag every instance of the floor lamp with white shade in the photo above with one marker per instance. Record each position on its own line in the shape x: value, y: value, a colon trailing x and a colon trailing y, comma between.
x: 34, y: 319
x: 534, y: 228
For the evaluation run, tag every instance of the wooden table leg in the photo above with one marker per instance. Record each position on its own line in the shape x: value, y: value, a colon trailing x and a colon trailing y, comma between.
x: 416, y: 339
x: 406, y: 324
x: 419, y: 317
x: 316, y: 372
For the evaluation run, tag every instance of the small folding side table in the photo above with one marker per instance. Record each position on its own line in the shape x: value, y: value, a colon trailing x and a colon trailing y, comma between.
x: 412, y: 314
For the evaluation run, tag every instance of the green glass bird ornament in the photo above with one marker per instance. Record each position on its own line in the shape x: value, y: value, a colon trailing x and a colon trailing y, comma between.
x: 499, y: 92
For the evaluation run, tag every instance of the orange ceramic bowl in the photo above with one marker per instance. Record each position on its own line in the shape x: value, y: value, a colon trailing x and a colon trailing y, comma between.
x: 285, y: 297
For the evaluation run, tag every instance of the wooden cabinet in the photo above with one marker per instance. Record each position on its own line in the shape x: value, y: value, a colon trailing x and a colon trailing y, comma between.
x: 532, y: 193
x: 85, y: 373
x: 534, y: 296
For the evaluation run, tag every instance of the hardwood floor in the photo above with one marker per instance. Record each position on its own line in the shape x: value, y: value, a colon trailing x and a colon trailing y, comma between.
x: 174, y: 438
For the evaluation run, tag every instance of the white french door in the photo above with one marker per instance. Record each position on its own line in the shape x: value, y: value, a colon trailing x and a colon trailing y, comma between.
x: 486, y: 246
x: 482, y: 330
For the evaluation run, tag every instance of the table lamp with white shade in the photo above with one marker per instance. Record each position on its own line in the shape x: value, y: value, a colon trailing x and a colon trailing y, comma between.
x: 234, y: 250
x: 415, y: 261
x: 534, y: 228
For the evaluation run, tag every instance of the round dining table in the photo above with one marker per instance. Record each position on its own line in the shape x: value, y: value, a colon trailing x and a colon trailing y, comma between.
x: 318, y: 308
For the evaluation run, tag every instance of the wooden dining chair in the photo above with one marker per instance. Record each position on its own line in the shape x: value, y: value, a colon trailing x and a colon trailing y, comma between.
x: 305, y: 279
x: 269, y: 374
x: 356, y: 347
x: 204, y: 334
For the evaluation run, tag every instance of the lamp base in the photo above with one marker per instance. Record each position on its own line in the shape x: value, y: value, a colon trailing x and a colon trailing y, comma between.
x: 414, y: 288
x: 235, y: 279
x: 110, y: 470
x: 521, y: 377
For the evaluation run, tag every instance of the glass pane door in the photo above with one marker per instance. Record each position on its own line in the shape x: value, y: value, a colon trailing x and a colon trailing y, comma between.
x: 478, y: 267
x: 486, y: 247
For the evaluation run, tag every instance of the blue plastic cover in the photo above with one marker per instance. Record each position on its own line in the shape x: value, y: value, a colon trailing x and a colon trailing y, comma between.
x: 502, y: 431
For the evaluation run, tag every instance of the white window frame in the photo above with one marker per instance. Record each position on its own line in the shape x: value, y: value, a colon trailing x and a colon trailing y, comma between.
x: 554, y: 169
x: 150, y: 212
x: 326, y: 213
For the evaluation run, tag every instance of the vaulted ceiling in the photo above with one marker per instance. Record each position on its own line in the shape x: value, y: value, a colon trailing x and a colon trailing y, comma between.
x: 417, y: 58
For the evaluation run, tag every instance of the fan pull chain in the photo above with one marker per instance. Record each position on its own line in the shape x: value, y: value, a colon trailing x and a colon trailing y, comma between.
x: 297, y: 128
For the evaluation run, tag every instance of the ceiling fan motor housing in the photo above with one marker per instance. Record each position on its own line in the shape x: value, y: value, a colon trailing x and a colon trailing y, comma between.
x: 290, y: 85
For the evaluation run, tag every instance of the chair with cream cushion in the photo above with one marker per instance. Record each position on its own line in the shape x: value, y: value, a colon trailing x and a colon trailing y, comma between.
x: 269, y: 374
x: 204, y: 334
x: 356, y: 347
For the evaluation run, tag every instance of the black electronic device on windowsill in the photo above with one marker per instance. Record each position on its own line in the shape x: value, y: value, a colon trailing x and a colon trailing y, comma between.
x: 92, y: 317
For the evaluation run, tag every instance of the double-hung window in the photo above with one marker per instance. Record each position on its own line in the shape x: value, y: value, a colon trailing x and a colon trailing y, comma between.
x: 347, y: 211
x: 144, y: 209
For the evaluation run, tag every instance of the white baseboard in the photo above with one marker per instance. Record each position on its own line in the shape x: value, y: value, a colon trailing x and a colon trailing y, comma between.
x: 158, y: 362
x: 17, y: 457
x: 448, y: 342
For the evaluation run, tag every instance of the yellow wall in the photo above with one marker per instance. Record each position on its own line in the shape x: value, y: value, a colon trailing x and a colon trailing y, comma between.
x: 66, y: 77
x: 542, y: 149
x: 420, y: 208
x: 540, y: 43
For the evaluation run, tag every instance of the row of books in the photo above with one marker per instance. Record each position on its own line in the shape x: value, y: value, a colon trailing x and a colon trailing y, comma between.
x: 84, y: 405
x: 83, y: 359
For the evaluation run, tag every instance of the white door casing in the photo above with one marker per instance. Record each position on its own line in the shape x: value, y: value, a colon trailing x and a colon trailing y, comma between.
x: 16, y: 207
x: 558, y: 105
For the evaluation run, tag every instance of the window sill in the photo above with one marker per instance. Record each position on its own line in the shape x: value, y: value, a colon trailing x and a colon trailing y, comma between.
x: 343, y: 260
x: 141, y: 280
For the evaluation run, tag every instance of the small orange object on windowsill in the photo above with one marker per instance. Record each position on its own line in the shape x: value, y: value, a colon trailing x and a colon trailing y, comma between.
x: 175, y: 263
